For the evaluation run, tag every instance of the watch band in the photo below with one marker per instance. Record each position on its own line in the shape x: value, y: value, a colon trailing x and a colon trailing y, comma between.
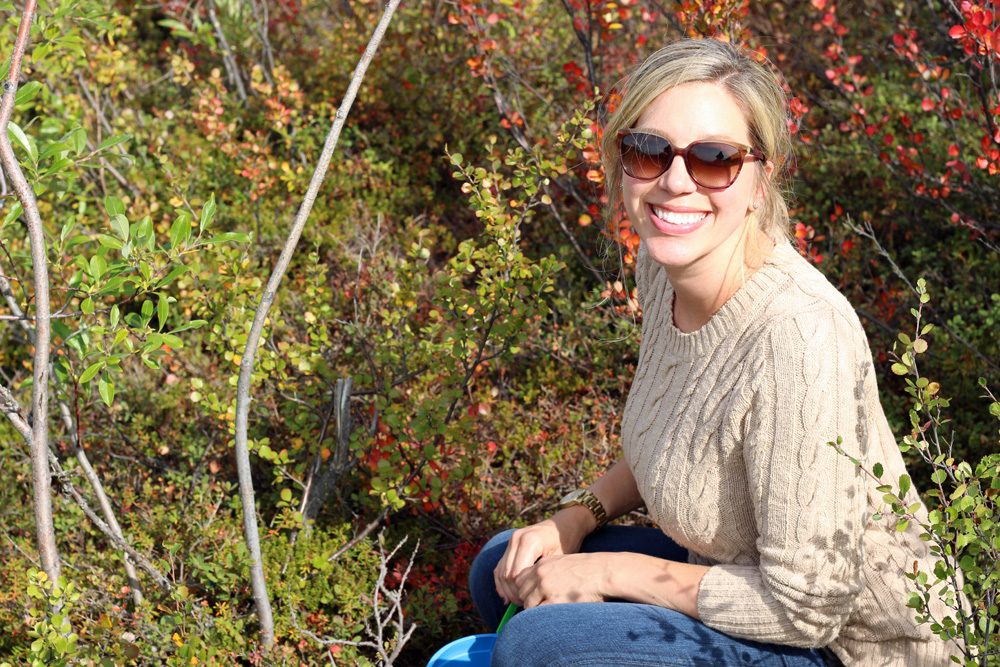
x: 586, y: 498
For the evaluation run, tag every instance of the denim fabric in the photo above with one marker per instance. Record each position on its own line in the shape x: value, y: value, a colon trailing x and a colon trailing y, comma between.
x: 615, y: 634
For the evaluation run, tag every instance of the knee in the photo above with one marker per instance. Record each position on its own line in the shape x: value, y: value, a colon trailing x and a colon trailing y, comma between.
x: 532, y: 638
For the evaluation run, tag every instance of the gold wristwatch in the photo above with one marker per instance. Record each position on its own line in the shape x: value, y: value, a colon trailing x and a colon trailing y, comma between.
x: 586, y: 498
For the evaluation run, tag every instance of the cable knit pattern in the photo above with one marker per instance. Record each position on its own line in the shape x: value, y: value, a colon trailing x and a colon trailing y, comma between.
x: 725, y: 431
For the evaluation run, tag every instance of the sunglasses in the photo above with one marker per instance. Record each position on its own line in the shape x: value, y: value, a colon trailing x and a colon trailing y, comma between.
x: 713, y: 165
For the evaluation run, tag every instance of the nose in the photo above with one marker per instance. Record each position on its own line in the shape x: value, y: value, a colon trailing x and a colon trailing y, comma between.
x: 676, y: 178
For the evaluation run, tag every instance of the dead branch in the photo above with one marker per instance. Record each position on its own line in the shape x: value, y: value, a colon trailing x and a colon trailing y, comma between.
x: 386, y: 612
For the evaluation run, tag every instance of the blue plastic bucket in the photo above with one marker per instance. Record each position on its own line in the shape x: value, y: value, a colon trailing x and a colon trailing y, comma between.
x: 471, y: 651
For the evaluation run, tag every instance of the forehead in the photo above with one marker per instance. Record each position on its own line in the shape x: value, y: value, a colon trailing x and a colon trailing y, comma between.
x: 693, y: 111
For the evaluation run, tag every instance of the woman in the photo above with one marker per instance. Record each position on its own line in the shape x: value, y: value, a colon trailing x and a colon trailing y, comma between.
x: 750, y: 363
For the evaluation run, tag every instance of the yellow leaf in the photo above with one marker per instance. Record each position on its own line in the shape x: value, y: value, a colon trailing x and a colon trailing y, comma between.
x: 177, y: 639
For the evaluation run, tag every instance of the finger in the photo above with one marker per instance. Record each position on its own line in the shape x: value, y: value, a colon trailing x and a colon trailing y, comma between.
x: 506, y: 588
x: 522, y: 556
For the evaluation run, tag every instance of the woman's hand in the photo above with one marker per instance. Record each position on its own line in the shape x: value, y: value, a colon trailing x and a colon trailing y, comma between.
x: 565, y: 578
x: 560, y: 535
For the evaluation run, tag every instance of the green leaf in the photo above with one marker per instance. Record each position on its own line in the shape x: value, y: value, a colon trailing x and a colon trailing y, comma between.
x: 228, y: 236
x: 902, y: 524
x: 163, y: 310
x: 114, y: 206
x: 147, y: 310
x: 15, y: 212
x: 899, y: 369
x: 87, y: 306
x: 27, y: 92
x: 193, y: 324
x: 877, y: 470
x: 112, y: 141
x: 120, y: 224
x: 106, y: 388
x: 207, y: 213
x: 174, y: 342
x: 109, y: 242
x: 174, y: 273
x: 179, y: 28
x: 17, y: 135
x: 286, y: 495
x: 91, y: 371
x: 66, y: 230
x: 904, y: 485
x: 179, y: 231
x: 53, y: 149
x: 98, y: 267
x: 78, y: 140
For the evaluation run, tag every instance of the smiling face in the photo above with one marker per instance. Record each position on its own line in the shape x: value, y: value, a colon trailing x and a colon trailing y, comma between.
x: 689, y: 229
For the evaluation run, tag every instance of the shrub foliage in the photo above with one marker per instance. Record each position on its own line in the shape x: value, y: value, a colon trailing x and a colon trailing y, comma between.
x: 454, y: 341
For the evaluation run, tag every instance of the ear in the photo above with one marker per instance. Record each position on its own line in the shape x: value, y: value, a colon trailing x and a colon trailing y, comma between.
x: 768, y: 170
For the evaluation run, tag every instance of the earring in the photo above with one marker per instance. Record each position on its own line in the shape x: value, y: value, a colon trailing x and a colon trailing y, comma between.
x: 756, y: 204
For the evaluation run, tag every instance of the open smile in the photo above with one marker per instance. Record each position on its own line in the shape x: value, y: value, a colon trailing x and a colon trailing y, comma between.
x: 676, y: 222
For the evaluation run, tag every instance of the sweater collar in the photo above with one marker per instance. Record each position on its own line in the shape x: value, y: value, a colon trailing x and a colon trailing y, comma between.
x: 751, y: 297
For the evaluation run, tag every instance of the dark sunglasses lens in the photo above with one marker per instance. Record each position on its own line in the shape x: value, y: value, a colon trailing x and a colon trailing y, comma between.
x: 714, y: 165
x: 645, y: 156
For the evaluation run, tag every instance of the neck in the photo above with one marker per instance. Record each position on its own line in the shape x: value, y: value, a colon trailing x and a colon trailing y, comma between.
x: 701, y: 290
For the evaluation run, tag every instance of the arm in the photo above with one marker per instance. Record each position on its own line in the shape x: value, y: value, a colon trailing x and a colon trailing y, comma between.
x: 810, y: 503
x: 563, y: 533
x: 595, y: 577
x: 560, y: 574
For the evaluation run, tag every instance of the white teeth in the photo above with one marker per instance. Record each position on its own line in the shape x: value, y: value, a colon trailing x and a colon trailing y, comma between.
x: 678, y: 218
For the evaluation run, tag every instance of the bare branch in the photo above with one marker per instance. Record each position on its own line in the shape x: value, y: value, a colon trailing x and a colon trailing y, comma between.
x: 116, y: 540
x: 386, y: 613
x: 250, y: 351
x: 232, y: 70
x: 41, y: 481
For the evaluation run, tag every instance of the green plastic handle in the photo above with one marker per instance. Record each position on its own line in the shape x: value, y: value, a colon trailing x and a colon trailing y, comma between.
x: 511, y: 610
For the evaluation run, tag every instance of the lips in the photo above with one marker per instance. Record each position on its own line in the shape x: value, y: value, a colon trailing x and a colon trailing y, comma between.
x: 676, y: 222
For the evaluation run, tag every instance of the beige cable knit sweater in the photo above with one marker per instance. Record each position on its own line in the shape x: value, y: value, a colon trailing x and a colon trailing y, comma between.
x: 725, y: 431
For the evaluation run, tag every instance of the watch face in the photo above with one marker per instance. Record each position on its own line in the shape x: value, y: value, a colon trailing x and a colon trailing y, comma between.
x: 571, y: 497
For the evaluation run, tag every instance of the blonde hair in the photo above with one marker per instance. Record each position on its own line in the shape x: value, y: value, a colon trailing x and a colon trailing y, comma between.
x: 753, y: 88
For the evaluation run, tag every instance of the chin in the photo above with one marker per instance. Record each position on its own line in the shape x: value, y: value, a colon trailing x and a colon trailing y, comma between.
x: 669, y: 252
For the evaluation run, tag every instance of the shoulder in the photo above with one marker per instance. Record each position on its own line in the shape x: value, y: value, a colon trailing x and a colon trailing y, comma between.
x: 807, y: 303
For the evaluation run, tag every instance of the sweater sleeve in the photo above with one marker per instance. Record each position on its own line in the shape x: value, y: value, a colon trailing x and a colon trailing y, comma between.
x: 809, y: 502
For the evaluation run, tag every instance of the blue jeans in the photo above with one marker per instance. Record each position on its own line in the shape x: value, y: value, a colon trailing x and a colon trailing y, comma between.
x: 615, y: 634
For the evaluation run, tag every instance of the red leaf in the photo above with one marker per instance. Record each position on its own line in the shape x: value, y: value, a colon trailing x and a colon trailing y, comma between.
x: 957, y: 32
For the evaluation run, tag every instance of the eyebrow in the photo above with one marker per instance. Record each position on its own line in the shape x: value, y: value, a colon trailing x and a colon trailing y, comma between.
x: 708, y: 137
